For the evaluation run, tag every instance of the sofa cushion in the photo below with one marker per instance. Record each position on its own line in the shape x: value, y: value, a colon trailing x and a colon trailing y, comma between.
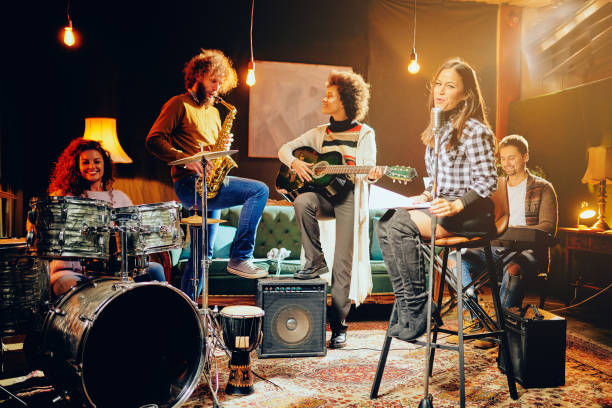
x: 223, y: 241
x: 375, y: 252
x: 277, y: 229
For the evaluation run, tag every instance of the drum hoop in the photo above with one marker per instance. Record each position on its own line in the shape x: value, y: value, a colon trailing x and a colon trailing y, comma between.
x: 70, y: 199
x: 13, y: 246
x: 147, y: 207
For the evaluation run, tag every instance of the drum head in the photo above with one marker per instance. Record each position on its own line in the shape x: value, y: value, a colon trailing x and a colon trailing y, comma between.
x: 242, y: 311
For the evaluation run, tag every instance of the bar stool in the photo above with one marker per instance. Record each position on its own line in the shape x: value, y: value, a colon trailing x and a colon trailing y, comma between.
x: 496, y: 327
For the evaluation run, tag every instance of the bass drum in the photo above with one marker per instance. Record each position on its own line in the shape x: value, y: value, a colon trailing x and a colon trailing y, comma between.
x: 114, y: 344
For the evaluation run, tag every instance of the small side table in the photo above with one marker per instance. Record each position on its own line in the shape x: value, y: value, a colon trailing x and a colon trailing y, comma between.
x: 586, y: 241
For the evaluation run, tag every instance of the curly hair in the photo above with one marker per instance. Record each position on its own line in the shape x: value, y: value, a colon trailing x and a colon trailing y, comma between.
x: 66, y: 178
x: 472, y: 107
x: 213, y: 62
x: 354, y: 93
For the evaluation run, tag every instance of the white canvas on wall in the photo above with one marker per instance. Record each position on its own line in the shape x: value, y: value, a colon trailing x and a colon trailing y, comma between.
x: 284, y: 103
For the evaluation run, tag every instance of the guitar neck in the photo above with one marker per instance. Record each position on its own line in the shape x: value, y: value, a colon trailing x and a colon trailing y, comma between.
x: 345, y: 169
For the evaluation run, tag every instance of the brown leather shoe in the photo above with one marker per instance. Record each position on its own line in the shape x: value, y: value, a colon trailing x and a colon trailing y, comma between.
x: 311, y: 273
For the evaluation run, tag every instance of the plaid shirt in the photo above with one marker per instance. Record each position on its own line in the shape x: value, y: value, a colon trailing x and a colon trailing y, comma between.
x: 469, y: 166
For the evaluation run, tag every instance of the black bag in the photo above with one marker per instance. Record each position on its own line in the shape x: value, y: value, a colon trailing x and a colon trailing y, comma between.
x: 537, y: 343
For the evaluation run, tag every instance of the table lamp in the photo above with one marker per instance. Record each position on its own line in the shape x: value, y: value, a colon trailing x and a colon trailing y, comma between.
x: 599, y: 171
x: 104, y: 130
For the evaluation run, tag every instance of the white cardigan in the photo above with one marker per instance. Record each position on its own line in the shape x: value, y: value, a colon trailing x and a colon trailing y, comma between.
x: 361, y: 274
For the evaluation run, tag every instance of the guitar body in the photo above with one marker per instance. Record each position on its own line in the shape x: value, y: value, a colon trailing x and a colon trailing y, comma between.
x: 331, y: 186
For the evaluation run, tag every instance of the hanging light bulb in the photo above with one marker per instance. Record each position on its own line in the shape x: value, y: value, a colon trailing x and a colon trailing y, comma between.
x: 69, y: 35
x: 413, y: 66
x: 250, y: 81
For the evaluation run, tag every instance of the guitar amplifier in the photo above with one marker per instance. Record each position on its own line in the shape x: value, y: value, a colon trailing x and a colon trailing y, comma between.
x: 295, y: 317
x: 537, y: 348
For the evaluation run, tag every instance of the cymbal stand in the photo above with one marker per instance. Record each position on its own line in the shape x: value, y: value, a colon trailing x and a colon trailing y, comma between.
x: 206, y: 314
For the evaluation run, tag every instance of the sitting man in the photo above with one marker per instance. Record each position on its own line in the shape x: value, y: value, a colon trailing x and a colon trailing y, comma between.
x: 533, y: 204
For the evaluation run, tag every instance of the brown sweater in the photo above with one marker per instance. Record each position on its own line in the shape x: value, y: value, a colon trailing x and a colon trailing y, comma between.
x: 180, y: 128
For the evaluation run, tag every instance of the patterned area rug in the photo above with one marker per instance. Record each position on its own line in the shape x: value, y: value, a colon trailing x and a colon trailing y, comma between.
x: 343, y: 378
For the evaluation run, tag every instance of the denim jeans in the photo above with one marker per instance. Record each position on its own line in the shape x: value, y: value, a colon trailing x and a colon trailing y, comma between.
x: 154, y: 273
x: 251, y: 194
x: 512, y: 291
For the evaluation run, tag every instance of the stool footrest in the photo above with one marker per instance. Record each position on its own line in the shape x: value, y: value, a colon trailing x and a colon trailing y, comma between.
x: 435, y: 345
x: 497, y: 333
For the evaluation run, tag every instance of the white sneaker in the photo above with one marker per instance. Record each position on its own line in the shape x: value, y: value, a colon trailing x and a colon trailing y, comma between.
x: 246, y: 269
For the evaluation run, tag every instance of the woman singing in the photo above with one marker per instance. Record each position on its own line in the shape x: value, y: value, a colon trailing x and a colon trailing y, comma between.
x: 84, y: 169
x: 466, y: 179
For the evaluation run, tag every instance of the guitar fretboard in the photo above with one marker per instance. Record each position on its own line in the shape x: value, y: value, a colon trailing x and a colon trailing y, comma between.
x: 345, y: 169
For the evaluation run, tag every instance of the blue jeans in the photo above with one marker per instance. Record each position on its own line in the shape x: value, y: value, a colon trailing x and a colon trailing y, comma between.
x: 154, y: 273
x: 512, y: 291
x: 251, y: 194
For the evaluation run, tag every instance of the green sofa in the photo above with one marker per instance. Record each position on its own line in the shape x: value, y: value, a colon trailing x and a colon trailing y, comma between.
x: 277, y: 229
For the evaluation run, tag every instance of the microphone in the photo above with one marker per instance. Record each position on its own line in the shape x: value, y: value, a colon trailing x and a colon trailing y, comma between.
x: 437, y: 118
x: 437, y: 121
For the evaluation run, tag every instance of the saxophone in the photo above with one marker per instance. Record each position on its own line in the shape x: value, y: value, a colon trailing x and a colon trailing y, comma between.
x: 221, y: 165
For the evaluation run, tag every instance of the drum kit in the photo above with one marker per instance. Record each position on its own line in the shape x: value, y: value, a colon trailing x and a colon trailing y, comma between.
x: 110, y: 331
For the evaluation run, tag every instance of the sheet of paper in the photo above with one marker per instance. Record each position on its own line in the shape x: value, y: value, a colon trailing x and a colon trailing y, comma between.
x: 383, y: 198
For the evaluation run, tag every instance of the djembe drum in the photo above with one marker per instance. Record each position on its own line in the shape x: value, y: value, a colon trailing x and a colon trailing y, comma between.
x: 241, y: 334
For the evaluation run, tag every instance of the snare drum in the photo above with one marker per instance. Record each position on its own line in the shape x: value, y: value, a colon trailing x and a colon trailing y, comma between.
x: 24, y: 290
x: 69, y: 227
x: 241, y: 334
x: 150, y: 227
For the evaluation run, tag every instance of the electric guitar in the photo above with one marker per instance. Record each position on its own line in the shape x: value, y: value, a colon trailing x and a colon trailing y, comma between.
x: 329, y: 177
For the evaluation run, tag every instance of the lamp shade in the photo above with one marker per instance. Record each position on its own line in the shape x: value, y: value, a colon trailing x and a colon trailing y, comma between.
x: 104, y: 130
x: 599, y: 167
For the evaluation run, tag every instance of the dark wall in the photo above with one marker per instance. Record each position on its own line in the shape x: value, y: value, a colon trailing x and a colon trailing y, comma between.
x: 560, y: 127
x: 398, y: 110
x: 132, y: 53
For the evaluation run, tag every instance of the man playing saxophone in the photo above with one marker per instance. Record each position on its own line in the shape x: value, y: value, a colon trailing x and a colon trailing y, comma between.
x: 190, y: 122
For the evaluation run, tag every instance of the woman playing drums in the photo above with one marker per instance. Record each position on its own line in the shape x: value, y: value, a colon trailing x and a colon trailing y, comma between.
x: 84, y: 169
